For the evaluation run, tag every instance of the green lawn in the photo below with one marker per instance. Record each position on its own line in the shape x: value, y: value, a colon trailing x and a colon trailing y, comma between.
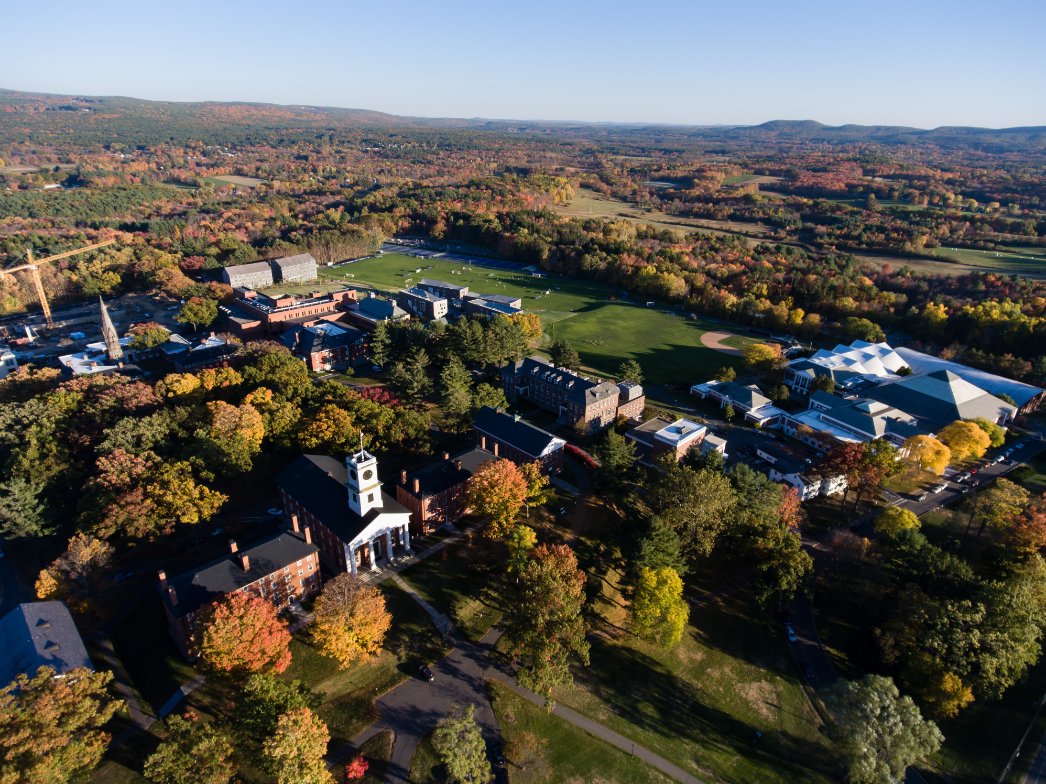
x: 595, y: 318
x: 347, y: 695
x: 701, y: 703
x: 980, y: 741
x: 1011, y: 260
x: 565, y: 753
x: 457, y: 581
x: 425, y: 767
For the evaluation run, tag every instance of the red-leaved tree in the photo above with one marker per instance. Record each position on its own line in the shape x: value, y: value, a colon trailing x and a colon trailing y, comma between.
x: 241, y: 633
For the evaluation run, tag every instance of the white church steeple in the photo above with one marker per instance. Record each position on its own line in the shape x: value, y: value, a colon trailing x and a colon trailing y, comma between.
x: 364, y: 485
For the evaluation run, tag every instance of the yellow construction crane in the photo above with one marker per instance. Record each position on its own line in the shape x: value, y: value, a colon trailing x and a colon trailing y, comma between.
x: 33, y: 266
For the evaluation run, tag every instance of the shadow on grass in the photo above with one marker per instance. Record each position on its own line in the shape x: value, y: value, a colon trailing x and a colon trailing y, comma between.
x: 644, y: 694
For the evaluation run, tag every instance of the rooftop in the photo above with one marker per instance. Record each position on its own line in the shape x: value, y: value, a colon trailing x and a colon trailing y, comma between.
x: 512, y: 430
x: 320, y: 484
x: 39, y: 634
x: 443, y: 474
x: 198, y: 587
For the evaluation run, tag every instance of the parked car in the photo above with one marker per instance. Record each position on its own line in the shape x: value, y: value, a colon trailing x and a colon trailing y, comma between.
x: 940, y: 488
x: 791, y: 633
x: 425, y: 673
x: 923, y: 496
x: 275, y: 511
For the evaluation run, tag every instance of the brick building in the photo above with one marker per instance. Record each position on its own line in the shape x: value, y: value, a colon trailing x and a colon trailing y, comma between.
x: 281, y: 569
x: 253, y: 314
x: 510, y: 437
x: 327, y: 345
x: 355, y: 523
x: 435, y: 493
x: 577, y: 401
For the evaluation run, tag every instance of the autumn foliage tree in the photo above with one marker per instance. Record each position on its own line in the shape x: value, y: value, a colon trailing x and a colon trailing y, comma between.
x: 351, y: 619
x: 659, y: 611
x: 967, y: 440
x: 76, y: 574
x: 294, y: 753
x: 498, y: 491
x: 192, y: 752
x: 545, y: 625
x: 51, y: 728
x: 242, y: 634
x: 926, y: 453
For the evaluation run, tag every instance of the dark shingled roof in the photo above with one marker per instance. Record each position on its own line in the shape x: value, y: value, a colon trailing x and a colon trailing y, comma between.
x: 440, y: 475
x: 39, y: 634
x: 515, y: 432
x: 320, y: 484
x: 210, y: 582
x: 574, y: 387
x: 308, y: 340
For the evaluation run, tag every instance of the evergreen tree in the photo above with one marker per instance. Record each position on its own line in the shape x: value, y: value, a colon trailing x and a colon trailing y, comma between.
x: 616, y: 455
x: 456, y: 393
x: 410, y: 378
x: 562, y: 355
x: 660, y: 548
x: 21, y: 510
x: 629, y: 370
x: 380, y: 344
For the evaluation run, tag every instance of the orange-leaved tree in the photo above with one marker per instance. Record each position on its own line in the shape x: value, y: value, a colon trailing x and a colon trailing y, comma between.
x: 241, y: 633
x: 497, y: 490
x: 351, y: 619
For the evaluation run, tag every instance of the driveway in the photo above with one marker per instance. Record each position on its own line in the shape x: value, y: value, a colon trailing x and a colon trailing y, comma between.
x: 413, y: 709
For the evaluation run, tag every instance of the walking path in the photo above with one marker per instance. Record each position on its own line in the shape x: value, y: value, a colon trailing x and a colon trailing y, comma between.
x: 121, y: 684
x: 597, y: 730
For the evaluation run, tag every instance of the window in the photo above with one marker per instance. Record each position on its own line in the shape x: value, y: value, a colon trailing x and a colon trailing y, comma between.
x: 370, y: 498
x: 355, y: 497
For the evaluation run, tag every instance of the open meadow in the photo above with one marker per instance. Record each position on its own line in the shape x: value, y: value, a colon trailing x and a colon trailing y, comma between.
x: 602, y: 323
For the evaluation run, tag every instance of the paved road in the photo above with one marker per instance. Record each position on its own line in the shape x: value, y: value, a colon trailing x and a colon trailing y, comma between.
x: 413, y: 709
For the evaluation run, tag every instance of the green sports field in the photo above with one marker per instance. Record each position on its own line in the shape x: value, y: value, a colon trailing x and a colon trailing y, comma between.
x: 596, y: 319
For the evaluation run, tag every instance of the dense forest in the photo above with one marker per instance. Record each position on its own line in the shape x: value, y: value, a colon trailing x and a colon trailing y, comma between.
x: 795, y: 226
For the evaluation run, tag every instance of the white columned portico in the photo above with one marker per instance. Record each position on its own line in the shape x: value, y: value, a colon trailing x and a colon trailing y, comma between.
x: 350, y: 553
x: 373, y: 560
x: 388, y: 545
x: 406, y: 537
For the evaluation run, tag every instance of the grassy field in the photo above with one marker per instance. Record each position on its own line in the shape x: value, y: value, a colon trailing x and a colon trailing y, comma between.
x: 457, y: 581
x: 234, y: 179
x: 598, y: 320
x: 701, y: 704
x: 564, y: 753
x: 591, y: 204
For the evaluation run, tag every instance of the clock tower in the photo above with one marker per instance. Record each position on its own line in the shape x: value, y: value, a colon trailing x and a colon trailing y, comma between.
x: 364, y: 486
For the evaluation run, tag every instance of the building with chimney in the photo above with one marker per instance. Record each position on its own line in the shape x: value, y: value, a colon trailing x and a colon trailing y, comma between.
x: 356, y: 524
x: 435, y: 492
x: 508, y: 436
x: 576, y: 400
x: 280, y: 569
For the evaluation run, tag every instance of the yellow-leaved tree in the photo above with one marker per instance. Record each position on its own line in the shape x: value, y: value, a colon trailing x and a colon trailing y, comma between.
x: 351, y: 620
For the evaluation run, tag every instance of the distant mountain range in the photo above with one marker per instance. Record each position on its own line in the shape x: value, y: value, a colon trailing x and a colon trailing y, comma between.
x: 31, y: 113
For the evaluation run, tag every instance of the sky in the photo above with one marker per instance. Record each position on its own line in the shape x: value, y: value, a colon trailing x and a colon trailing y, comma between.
x: 923, y: 63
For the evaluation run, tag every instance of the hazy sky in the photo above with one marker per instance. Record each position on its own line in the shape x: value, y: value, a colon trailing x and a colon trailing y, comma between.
x: 918, y: 62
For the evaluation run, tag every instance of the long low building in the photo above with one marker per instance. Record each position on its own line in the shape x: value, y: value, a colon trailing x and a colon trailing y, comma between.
x: 280, y: 569
x: 747, y: 400
x: 508, y: 436
x: 435, y: 492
